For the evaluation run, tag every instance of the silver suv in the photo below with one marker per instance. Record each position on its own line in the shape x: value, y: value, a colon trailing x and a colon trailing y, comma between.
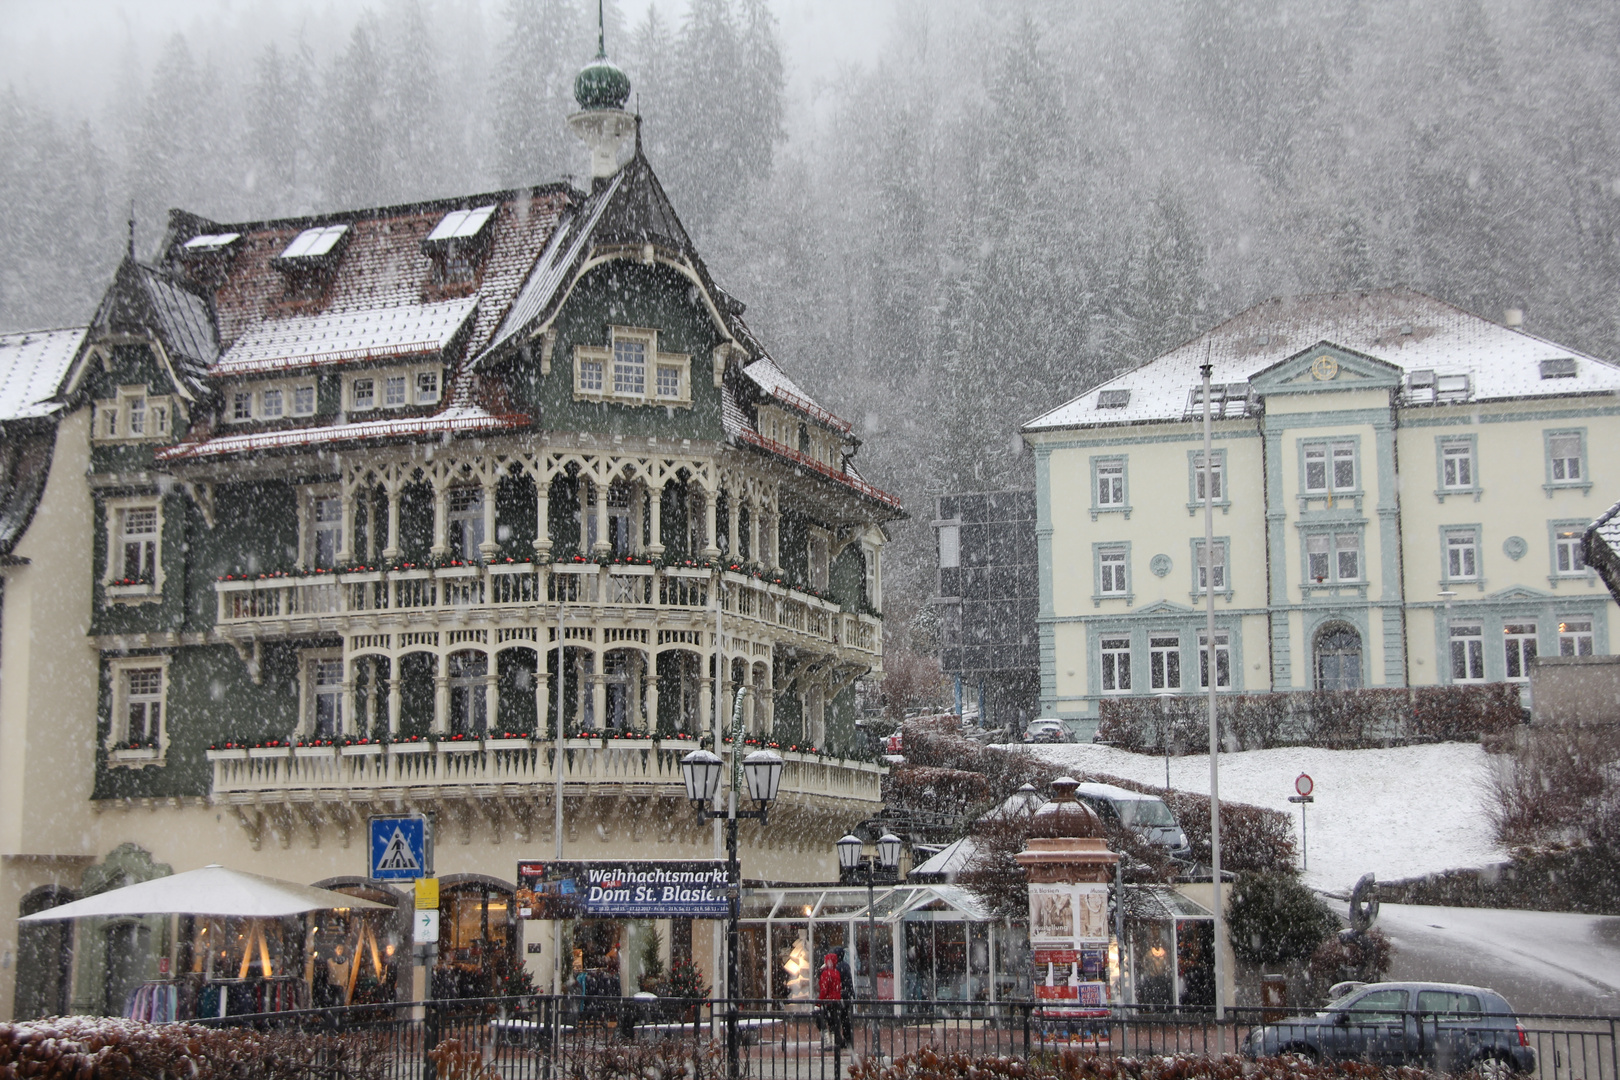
x: 1439, y: 1026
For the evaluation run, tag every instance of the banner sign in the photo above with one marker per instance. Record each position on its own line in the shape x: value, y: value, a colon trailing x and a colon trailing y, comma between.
x: 629, y: 889
x: 1068, y: 937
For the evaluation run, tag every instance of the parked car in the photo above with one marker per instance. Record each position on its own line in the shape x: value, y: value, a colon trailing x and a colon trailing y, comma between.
x: 1047, y: 731
x: 1145, y: 815
x: 1439, y: 1026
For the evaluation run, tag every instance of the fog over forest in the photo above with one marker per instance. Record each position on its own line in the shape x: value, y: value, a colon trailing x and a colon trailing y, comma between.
x: 1015, y: 201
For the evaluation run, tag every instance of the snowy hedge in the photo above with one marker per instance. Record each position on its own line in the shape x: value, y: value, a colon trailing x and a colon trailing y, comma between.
x: 111, y: 1048
x: 1337, y: 719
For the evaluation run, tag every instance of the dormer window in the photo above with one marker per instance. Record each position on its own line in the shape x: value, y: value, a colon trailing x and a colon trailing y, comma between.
x: 456, y: 244
x: 209, y: 244
x: 427, y: 387
x: 313, y: 247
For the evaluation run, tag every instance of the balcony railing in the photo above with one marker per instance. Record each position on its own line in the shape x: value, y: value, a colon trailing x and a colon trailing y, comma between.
x: 270, y: 606
x: 628, y: 766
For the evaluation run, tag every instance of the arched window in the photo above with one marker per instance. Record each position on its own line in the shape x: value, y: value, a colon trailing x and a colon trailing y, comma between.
x: 1338, y: 658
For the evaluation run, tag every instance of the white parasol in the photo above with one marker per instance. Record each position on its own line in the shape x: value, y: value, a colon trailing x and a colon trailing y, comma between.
x: 213, y: 890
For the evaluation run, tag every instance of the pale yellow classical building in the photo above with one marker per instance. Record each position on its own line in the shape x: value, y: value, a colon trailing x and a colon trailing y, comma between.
x: 1399, y: 487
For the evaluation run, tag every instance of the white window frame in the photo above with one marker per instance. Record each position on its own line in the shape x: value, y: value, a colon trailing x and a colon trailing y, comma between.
x: 1325, y: 550
x: 1459, y: 465
x: 1221, y: 565
x: 1114, y: 663
x: 1575, y: 635
x: 133, y: 415
x: 1520, y: 646
x: 1110, y: 490
x: 1565, y: 472
x: 1329, y: 453
x: 269, y: 395
x: 309, y: 700
x: 1465, y: 651
x: 241, y: 407
x: 1223, y: 650
x: 1568, y: 554
x: 310, y: 527
x: 351, y: 390
x: 589, y: 360
x: 1195, y: 481
x: 118, y: 672
x: 424, y: 396
x: 872, y: 553
x: 1113, y: 571
x: 301, y: 392
x: 1462, y: 541
x: 115, y: 568
x: 395, y: 383
x: 1164, y: 660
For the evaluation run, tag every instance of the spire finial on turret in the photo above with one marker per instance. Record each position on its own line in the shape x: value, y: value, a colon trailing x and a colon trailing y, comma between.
x: 129, y: 242
x: 601, y: 90
x: 601, y: 32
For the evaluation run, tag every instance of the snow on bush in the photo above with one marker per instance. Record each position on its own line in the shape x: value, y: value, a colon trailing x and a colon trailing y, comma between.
x: 112, y: 1048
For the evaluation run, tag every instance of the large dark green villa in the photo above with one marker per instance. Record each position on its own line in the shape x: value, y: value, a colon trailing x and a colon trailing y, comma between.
x: 386, y: 506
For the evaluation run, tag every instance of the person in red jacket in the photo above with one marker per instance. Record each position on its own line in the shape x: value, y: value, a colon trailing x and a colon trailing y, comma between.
x: 830, y: 993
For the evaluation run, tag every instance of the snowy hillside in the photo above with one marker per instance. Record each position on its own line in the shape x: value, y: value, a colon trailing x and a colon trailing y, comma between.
x: 1398, y: 813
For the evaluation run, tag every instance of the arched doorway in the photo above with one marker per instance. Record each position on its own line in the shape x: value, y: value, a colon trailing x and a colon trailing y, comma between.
x: 1338, y: 658
x: 354, y: 956
x: 44, y: 956
x: 478, y: 954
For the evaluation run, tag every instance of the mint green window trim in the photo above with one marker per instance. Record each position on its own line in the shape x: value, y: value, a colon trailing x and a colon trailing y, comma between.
x: 1559, y: 468
x: 1447, y: 547
x: 1194, y: 503
x: 1118, y: 573
x: 1223, y: 545
x: 1577, y: 526
x: 1332, y: 583
x: 1447, y: 467
x: 1330, y: 496
x: 1114, y: 469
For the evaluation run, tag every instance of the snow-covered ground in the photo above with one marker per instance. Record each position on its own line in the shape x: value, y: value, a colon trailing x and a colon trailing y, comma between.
x: 1399, y: 812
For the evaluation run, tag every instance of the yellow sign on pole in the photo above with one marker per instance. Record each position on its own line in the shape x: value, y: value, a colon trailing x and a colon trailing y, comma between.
x: 427, y: 894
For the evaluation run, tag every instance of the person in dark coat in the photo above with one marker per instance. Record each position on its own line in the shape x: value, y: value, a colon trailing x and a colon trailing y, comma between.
x: 847, y: 986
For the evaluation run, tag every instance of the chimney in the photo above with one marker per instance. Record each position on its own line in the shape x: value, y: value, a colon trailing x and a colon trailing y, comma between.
x: 1513, y: 318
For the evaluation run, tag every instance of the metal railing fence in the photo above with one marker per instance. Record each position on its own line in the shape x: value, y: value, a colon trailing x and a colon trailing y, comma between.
x: 574, y: 1038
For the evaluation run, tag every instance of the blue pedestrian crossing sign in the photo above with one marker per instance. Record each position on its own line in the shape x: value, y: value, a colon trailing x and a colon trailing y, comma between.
x: 400, y: 849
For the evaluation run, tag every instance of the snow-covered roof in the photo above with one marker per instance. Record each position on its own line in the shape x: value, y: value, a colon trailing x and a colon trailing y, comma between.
x: 32, y: 365
x: 947, y: 863
x: 455, y: 420
x: 774, y: 381
x: 1407, y: 329
x: 329, y: 337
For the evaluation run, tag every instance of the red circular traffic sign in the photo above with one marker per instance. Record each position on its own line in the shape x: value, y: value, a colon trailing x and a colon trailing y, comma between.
x: 1303, y: 784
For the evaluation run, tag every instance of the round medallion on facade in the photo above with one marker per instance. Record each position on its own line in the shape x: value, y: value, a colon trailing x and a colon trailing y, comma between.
x: 601, y: 85
x: 1160, y: 565
x: 1325, y: 368
x: 1514, y: 547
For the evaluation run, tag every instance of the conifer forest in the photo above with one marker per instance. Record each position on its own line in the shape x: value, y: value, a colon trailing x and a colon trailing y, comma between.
x: 1014, y: 201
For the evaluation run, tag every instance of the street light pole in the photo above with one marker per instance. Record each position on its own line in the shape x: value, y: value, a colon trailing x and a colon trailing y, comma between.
x: 1212, y: 676
x: 849, y: 860
x: 762, y: 771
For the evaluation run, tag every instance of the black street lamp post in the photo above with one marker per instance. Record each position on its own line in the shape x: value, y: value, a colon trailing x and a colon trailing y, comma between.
x: 864, y: 872
x: 763, y: 771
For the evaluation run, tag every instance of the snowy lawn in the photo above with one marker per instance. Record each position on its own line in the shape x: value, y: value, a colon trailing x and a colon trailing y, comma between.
x: 1398, y: 813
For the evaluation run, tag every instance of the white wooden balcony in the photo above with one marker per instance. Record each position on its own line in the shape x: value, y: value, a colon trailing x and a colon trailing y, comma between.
x: 286, y: 789
x: 523, y: 594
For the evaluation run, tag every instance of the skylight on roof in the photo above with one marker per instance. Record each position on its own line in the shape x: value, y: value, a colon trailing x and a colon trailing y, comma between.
x: 1560, y: 368
x: 314, y: 243
x: 211, y: 242
x: 461, y: 224
x: 1113, y: 399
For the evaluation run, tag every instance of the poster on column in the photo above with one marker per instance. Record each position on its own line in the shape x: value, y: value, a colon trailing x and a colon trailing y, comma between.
x: 622, y: 889
x: 1068, y: 937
